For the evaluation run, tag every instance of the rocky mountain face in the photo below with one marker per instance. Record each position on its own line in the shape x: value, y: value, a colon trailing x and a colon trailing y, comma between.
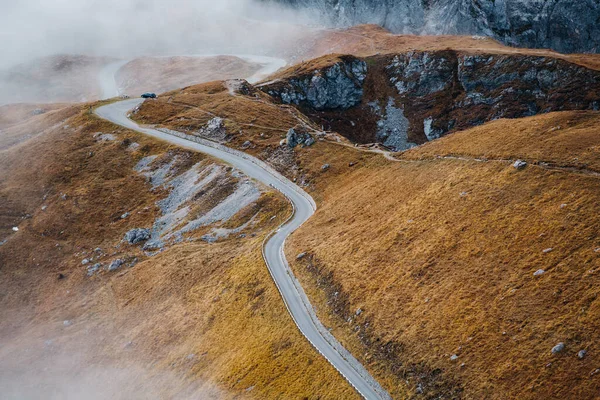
x: 407, y: 99
x: 563, y: 25
x: 337, y: 87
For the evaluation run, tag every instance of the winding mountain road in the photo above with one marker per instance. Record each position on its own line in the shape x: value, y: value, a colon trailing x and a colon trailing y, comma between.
x: 291, y: 291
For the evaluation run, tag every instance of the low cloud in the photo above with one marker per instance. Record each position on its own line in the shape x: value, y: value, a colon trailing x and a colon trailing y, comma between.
x: 128, y: 28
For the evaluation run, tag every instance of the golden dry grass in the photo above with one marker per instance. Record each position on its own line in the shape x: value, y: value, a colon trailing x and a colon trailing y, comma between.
x: 215, y: 301
x: 440, y: 255
x: 562, y: 138
x: 254, y: 118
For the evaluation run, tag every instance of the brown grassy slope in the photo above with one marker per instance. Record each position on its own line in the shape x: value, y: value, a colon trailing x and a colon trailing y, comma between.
x: 464, y: 233
x: 13, y: 114
x: 252, y: 118
x: 439, y: 255
x: 565, y: 138
x: 207, y: 317
x: 23, y: 187
x: 368, y: 40
x: 32, y: 125
x: 161, y: 74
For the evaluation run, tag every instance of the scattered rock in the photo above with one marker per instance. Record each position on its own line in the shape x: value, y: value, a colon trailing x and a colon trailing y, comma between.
x: 520, y: 164
x: 581, y: 354
x: 358, y: 312
x: 126, y: 215
x: 325, y: 167
x: 137, y: 235
x: 104, y: 137
x: 247, y: 144
x: 15, y: 229
x: 351, y: 164
x: 214, y: 129
x: 558, y: 348
x: 133, y: 147
x: 539, y: 272
x: 67, y: 323
x: 300, y: 256
x: 44, y: 208
x: 453, y: 357
x: 115, y: 265
x: 38, y: 111
x: 85, y: 261
x: 298, y: 135
x: 94, y: 268
x: 549, y: 250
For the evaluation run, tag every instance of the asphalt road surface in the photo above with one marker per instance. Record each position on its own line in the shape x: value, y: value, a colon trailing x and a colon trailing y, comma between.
x: 292, y: 293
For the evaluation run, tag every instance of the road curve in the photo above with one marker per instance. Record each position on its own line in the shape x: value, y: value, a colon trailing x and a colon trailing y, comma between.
x: 292, y: 293
x: 107, y: 78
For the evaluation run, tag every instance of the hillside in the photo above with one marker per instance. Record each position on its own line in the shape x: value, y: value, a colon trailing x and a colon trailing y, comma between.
x: 426, y: 265
x: 454, y: 250
x: 202, y: 317
x: 446, y: 236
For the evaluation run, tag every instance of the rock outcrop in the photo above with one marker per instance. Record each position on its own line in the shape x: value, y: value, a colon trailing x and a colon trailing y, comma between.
x: 298, y: 136
x: 338, y: 86
x: 410, y: 98
x: 443, y: 91
x: 137, y: 235
x: 566, y: 26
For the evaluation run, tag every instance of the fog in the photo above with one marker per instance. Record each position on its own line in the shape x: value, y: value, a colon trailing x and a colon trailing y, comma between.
x: 68, y: 368
x: 128, y: 28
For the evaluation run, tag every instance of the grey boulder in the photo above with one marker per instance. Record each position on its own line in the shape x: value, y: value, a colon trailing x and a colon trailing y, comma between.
x: 137, y: 235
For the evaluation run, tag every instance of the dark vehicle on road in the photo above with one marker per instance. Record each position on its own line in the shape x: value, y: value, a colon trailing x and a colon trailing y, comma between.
x: 149, y: 96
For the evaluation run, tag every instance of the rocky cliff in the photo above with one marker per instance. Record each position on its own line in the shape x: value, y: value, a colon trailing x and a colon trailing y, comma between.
x: 410, y: 98
x: 563, y: 25
x: 339, y: 86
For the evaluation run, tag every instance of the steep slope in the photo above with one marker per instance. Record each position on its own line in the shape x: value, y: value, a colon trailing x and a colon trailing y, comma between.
x: 201, y: 318
x: 459, y: 273
x: 565, y: 26
x: 424, y: 265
